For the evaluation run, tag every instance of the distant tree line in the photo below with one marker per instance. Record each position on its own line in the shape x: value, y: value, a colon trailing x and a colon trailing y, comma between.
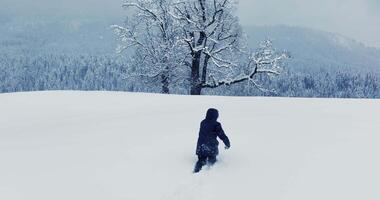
x: 322, y: 84
x: 60, y: 72
x: 87, y: 72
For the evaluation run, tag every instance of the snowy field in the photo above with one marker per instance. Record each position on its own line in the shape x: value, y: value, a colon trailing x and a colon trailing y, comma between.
x: 123, y: 146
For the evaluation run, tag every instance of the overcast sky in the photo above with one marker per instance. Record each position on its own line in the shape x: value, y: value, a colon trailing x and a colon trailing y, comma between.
x: 358, y: 19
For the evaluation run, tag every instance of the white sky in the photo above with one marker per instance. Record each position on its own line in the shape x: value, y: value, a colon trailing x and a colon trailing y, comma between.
x: 358, y: 19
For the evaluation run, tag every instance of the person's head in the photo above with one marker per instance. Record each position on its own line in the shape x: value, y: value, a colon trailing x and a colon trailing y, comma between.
x: 212, y: 114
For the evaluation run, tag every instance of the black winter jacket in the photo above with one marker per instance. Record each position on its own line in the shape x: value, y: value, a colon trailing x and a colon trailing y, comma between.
x: 210, y: 129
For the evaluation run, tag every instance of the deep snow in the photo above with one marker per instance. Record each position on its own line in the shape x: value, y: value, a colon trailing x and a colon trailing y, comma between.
x: 105, y: 145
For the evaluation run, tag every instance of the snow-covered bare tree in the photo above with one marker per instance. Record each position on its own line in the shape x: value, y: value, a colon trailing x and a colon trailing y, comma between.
x: 203, y: 37
x: 214, y: 38
x: 151, y: 32
x: 211, y: 32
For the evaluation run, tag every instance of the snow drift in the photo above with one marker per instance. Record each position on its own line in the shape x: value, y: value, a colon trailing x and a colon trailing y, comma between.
x: 100, y: 145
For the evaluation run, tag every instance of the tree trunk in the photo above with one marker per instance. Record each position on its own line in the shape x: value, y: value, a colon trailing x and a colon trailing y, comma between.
x: 204, y: 69
x: 165, y: 83
x: 196, y: 88
x: 165, y: 76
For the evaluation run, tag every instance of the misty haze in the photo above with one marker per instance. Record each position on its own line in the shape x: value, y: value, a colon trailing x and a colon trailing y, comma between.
x: 189, y: 99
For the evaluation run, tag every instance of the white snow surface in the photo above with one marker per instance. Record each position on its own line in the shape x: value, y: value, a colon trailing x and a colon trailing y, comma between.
x: 125, y: 146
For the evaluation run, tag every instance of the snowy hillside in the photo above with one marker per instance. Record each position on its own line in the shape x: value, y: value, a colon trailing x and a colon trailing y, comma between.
x: 310, y: 49
x: 313, y: 49
x: 95, y: 145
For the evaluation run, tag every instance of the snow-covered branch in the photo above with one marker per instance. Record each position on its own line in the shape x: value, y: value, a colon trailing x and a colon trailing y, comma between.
x: 264, y: 61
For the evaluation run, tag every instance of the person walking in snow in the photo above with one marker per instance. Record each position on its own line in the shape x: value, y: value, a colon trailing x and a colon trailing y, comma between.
x: 207, y: 145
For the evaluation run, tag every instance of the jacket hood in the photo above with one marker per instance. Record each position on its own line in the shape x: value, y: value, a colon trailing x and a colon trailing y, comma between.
x: 212, y: 114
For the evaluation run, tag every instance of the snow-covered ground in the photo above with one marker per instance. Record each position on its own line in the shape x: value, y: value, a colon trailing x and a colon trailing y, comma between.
x: 123, y: 146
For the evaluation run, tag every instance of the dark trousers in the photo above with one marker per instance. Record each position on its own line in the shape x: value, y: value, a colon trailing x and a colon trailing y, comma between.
x: 202, y: 161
